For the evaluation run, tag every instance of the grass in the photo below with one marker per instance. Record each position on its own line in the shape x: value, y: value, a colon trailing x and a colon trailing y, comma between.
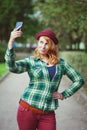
x: 3, y: 69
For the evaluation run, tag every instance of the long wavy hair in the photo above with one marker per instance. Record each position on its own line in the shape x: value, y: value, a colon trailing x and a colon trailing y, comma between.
x: 52, y: 54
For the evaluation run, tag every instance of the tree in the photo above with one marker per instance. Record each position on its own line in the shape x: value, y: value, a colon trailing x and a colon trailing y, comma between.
x: 17, y: 10
x: 65, y: 17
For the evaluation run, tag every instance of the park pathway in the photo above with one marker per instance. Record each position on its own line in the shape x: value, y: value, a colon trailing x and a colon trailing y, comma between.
x: 71, y: 115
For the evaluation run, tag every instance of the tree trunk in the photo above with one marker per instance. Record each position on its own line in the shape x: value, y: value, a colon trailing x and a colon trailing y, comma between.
x: 86, y: 47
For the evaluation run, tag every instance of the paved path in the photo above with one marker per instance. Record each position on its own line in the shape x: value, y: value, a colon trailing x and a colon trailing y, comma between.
x: 71, y: 115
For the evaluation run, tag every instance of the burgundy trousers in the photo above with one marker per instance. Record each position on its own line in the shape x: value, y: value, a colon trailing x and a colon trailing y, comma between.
x: 28, y: 120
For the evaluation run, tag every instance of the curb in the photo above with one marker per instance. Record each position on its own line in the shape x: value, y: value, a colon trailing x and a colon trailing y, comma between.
x: 82, y: 97
x: 4, y: 76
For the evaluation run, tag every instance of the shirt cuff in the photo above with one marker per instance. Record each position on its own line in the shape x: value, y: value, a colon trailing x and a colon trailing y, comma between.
x: 10, y: 52
x: 64, y: 94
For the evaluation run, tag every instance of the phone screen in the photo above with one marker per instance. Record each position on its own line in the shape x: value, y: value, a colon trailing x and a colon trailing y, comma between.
x: 19, y: 25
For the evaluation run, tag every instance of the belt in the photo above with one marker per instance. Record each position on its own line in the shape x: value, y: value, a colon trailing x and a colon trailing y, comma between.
x: 35, y: 110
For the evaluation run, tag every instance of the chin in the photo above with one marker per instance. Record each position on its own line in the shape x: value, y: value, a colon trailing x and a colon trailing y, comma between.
x: 43, y: 53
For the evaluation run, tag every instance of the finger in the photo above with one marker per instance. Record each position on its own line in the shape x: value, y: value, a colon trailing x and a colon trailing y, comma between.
x: 18, y: 28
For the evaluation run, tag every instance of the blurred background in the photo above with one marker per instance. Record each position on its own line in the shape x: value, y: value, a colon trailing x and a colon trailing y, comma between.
x: 67, y: 18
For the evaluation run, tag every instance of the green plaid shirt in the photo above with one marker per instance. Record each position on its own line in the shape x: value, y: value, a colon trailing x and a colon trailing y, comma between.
x: 40, y: 88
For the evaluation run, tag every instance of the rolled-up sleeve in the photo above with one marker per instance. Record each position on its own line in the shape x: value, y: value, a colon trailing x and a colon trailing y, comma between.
x: 75, y: 77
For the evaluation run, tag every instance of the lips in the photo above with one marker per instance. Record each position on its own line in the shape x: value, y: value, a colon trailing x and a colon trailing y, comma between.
x: 42, y: 50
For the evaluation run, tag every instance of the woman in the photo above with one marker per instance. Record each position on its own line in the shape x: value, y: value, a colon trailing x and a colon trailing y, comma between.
x: 40, y: 99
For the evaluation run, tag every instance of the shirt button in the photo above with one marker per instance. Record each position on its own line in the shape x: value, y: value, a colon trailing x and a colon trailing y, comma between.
x: 46, y: 101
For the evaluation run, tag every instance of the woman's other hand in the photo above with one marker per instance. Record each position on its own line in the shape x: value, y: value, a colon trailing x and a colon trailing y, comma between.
x: 57, y: 95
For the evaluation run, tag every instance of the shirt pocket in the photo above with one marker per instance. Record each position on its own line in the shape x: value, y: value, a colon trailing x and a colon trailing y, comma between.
x: 37, y: 72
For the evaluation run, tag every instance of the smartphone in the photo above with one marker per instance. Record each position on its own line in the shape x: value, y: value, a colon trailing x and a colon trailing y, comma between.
x: 19, y: 25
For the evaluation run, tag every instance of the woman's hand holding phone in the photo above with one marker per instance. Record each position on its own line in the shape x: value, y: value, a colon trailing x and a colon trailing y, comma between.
x: 15, y: 34
x: 18, y: 26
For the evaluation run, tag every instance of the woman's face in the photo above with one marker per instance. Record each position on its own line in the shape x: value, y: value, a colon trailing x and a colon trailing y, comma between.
x: 43, y: 46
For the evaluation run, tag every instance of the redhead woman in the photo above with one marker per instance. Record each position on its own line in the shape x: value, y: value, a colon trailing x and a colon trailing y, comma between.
x: 37, y: 105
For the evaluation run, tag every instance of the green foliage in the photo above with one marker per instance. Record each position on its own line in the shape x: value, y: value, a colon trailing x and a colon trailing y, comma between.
x: 12, y: 11
x: 65, y: 17
x: 2, y: 51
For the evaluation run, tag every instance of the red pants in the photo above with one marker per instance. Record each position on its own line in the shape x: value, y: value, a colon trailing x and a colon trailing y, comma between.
x: 28, y: 120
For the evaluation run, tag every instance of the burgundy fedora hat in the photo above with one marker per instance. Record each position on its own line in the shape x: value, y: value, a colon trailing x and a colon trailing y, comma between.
x: 49, y: 33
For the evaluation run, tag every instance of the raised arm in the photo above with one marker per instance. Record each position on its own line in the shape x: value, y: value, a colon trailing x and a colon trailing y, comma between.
x: 15, y: 66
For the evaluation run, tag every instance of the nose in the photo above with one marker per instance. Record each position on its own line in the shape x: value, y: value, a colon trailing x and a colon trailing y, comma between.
x: 43, y: 46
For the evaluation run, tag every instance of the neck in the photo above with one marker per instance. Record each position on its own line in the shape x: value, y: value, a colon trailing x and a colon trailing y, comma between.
x: 44, y: 57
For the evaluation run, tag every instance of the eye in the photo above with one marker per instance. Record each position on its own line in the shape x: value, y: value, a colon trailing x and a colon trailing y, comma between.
x: 41, y: 41
x: 46, y: 43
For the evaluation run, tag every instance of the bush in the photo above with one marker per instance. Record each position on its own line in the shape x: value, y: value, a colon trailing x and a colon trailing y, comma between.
x: 2, y: 50
x: 79, y: 61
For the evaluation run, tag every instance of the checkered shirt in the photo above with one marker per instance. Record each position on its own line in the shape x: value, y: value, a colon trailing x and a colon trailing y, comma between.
x: 40, y: 88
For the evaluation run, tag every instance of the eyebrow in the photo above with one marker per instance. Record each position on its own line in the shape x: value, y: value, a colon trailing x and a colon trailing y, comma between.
x: 42, y: 41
